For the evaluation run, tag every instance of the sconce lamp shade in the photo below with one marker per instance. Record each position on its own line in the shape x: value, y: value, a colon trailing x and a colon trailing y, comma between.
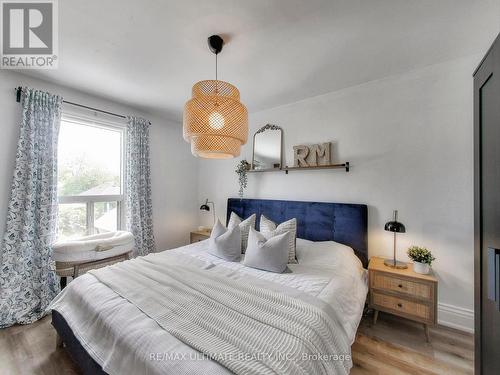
x: 215, y: 121
x: 205, y: 207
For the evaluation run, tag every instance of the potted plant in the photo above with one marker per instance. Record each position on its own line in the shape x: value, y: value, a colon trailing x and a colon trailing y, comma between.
x: 422, y: 259
x: 241, y: 170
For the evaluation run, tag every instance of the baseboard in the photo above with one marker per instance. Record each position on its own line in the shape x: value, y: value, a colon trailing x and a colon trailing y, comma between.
x: 456, y: 317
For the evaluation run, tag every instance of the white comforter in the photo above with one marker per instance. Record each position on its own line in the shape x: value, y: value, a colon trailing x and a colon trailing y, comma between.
x: 123, y: 340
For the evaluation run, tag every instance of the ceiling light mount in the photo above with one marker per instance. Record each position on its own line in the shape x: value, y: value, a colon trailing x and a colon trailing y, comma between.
x: 215, y: 43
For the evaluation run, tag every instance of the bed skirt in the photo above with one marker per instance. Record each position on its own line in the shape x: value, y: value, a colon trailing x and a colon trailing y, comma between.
x: 79, y: 355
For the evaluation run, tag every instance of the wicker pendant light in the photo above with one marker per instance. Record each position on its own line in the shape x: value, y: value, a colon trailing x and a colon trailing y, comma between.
x: 215, y: 122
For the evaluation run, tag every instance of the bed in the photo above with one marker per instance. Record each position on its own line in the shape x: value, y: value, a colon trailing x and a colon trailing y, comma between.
x: 111, y: 323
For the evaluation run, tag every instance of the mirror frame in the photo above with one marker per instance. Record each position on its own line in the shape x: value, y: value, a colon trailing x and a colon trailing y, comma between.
x: 261, y: 130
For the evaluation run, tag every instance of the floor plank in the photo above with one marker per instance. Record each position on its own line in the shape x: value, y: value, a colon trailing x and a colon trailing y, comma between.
x: 393, y: 346
x: 31, y: 349
x: 397, y: 346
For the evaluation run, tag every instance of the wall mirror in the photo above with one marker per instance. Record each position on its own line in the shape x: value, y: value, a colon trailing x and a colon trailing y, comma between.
x: 267, y: 148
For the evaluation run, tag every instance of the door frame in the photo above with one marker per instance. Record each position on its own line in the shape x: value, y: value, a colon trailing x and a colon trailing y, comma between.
x: 481, y: 75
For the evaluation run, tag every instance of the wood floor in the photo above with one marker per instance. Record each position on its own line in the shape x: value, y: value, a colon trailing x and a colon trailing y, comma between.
x: 31, y: 349
x: 397, y: 346
x: 392, y: 347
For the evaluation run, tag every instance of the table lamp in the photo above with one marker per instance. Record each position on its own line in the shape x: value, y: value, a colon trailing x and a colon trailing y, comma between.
x: 396, y: 227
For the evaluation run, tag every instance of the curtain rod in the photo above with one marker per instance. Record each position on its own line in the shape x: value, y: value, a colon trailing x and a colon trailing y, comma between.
x: 20, y: 89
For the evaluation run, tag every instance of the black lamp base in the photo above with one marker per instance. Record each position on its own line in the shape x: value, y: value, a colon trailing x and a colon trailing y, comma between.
x: 395, y: 264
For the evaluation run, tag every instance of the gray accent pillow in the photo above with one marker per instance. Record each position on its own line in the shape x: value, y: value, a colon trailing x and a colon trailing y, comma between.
x: 225, y: 243
x: 269, y: 229
x: 267, y: 254
x: 245, y: 225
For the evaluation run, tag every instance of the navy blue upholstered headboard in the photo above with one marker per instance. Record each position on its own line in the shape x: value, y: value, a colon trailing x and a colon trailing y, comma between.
x: 316, y: 221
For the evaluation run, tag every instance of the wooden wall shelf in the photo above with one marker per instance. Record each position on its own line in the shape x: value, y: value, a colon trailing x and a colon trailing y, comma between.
x: 287, y: 169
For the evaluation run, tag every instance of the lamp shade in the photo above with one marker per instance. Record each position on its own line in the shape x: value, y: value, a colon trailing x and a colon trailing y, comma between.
x: 215, y: 122
x: 395, y: 226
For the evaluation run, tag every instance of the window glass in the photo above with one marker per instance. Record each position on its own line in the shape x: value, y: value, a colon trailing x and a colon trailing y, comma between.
x: 89, y: 160
x: 89, y: 177
x: 72, y: 220
x: 105, y: 217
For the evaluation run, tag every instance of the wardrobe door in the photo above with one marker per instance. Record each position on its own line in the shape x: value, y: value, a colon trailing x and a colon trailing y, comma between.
x: 487, y: 212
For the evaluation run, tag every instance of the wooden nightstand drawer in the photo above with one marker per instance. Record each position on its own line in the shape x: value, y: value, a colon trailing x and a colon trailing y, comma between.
x: 197, y: 236
x: 402, y: 306
x: 384, y: 281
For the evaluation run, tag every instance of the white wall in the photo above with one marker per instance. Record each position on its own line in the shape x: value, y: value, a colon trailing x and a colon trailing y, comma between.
x: 409, y: 140
x: 173, y: 169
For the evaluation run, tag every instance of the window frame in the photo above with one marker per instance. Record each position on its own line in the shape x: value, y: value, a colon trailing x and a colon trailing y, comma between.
x: 89, y: 200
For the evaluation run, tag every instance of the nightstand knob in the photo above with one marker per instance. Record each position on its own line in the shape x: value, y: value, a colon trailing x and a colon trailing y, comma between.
x: 400, y: 285
x: 400, y: 305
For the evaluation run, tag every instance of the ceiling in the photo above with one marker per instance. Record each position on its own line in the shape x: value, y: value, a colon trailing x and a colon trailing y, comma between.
x: 149, y: 53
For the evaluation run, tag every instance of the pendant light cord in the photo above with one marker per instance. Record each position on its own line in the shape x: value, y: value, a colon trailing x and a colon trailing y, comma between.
x: 216, y: 80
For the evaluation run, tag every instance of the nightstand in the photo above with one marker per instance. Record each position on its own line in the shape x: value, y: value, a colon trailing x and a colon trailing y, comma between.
x: 403, y: 292
x: 199, y: 235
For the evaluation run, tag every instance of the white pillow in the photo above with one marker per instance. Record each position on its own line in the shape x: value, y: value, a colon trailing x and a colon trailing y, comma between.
x: 244, y: 225
x: 330, y: 255
x: 269, y: 229
x: 225, y: 243
x: 269, y: 255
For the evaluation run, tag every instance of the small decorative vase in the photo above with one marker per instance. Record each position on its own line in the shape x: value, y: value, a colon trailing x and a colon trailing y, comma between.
x: 422, y: 268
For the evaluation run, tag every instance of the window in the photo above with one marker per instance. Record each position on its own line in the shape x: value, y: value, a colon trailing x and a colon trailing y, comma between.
x: 90, y: 177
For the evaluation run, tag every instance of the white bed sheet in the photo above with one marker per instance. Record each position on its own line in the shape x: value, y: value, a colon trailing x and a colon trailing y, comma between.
x: 122, y: 339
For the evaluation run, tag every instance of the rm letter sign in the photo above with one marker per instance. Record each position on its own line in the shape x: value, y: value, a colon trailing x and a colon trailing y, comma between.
x: 312, y: 156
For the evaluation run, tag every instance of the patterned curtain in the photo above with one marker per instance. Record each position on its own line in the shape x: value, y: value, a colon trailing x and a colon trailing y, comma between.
x: 27, y: 278
x: 138, y: 205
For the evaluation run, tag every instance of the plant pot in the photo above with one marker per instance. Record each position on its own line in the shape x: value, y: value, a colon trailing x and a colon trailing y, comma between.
x: 422, y: 268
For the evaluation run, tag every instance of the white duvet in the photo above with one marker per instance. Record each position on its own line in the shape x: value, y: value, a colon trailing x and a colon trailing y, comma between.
x: 123, y: 340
